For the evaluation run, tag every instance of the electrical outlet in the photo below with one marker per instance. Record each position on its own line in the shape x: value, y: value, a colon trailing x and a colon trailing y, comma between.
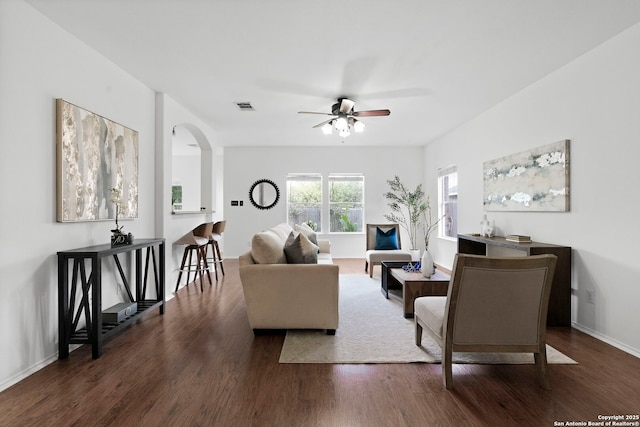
x: 590, y: 297
x: 118, y: 289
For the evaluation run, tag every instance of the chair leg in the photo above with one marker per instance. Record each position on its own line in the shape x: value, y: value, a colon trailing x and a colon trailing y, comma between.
x: 418, y: 333
x: 447, y: 369
x: 202, y: 266
x: 541, y: 368
x: 206, y: 264
x: 219, y: 259
x: 189, y: 267
x: 213, y: 258
x: 184, y: 260
x: 366, y: 266
x: 199, y: 268
x: 371, y: 270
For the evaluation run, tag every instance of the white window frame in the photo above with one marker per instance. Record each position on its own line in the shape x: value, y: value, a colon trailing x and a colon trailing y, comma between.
x: 448, y: 203
x: 346, y: 177
x: 293, y: 177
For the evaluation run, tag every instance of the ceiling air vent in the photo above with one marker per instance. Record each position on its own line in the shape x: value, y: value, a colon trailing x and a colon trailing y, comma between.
x: 244, y: 106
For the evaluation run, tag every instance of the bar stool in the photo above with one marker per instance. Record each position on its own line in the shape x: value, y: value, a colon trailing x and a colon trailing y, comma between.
x: 215, y: 237
x: 196, y: 241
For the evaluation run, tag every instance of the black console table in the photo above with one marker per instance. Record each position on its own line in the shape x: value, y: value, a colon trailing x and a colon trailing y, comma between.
x: 559, y: 313
x: 70, y: 311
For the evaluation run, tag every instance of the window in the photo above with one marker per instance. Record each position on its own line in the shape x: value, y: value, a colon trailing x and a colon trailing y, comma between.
x: 448, y: 202
x: 176, y: 197
x: 304, y: 200
x: 346, y: 203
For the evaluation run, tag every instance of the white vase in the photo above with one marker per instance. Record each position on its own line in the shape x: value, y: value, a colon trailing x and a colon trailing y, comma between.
x: 426, y: 264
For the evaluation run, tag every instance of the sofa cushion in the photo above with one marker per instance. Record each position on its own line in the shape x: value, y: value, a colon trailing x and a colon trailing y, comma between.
x: 307, y: 231
x: 267, y: 248
x: 386, y: 239
x: 300, y: 250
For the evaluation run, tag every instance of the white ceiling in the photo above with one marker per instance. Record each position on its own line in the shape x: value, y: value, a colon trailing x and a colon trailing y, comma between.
x: 434, y: 63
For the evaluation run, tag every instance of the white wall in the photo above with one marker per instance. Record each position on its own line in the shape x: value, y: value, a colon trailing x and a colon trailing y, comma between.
x: 39, y: 63
x: 169, y: 114
x: 185, y: 171
x: 245, y: 165
x: 595, y: 102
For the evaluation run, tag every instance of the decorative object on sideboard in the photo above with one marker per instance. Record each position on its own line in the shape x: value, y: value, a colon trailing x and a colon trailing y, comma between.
x: 118, y: 237
x: 93, y: 154
x: 264, y: 194
x: 486, y: 227
x: 518, y: 238
x: 534, y: 180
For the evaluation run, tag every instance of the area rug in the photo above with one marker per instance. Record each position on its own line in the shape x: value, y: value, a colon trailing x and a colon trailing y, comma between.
x: 373, y: 329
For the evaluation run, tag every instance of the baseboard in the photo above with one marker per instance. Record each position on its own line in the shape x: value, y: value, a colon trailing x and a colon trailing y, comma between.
x: 25, y: 373
x: 608, y: 340
x: 33, y: 369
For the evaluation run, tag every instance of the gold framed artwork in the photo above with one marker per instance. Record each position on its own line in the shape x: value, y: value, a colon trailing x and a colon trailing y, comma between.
x: 94, y: 155
x: 534, y: 180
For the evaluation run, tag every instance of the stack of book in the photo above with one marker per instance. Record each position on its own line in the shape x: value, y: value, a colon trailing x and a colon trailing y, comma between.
x: 518, y: 238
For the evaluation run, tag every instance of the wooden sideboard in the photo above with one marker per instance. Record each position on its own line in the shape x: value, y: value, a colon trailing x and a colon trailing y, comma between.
x: 559, y: 313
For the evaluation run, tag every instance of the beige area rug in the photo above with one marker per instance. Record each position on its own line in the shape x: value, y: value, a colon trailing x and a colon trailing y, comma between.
x: 373, y: 330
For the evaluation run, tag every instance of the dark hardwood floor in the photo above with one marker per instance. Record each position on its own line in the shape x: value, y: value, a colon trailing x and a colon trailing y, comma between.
x: 200, y: 365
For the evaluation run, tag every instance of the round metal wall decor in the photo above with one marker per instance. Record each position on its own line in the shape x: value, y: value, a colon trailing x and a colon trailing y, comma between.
x: 264, y: 194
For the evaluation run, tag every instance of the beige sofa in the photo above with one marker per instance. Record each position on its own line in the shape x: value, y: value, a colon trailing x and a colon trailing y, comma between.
x: 280, y: 295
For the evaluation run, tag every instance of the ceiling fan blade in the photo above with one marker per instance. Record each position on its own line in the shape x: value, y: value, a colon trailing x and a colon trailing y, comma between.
x: 314, y: 112
x: 371, y: 113
x: 346, y: 105
x: 324, y: 123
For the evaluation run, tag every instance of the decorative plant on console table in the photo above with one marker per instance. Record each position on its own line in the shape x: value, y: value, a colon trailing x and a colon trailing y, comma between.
x: 117, y: 236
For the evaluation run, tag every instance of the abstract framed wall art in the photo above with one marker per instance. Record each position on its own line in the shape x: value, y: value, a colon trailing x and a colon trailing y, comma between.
x: 534, y: 180
x: 94, y: 155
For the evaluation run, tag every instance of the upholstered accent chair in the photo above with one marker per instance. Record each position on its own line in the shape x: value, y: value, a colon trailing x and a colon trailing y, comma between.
x: 493, y: 305
x: 380, y: 247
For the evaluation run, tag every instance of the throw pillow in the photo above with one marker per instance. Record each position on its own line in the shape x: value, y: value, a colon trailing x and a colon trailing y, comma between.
x: 299, y: 249
x: 266, y: 248
x: 386, y: 239
x: 307, y: 231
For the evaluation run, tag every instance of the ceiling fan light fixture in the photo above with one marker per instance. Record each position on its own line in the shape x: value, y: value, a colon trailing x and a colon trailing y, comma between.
x: 344, y: 118
x: 341, y: 124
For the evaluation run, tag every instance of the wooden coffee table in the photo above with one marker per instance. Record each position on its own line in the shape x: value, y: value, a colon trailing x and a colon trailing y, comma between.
x: 413, y: 285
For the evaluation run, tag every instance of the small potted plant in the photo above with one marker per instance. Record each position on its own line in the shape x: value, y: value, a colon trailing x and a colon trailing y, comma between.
x: 118, y: 237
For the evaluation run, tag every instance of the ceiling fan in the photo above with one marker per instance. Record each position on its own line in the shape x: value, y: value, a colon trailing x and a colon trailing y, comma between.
x: 344, y: 118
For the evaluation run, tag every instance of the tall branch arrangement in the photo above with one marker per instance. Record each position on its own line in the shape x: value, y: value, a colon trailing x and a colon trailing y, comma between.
x: 410, y: 209
x: 117, y: 201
